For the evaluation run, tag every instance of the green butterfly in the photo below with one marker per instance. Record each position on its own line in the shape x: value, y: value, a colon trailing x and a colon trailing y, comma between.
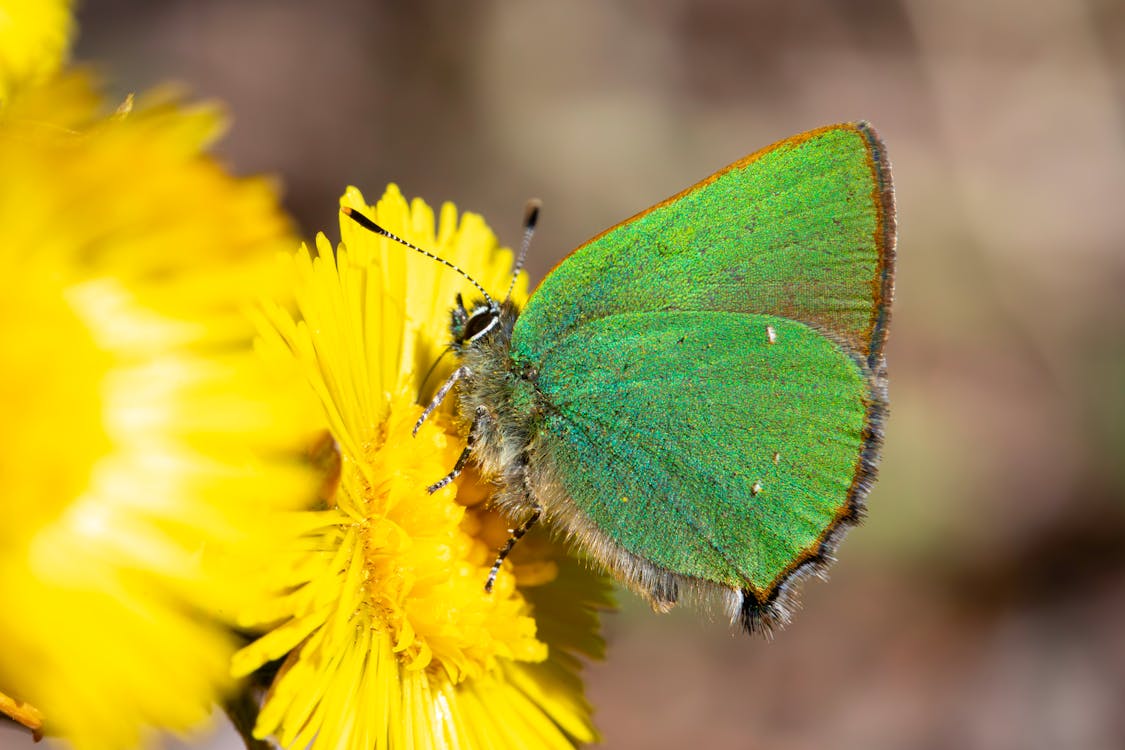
x: 696, y: 396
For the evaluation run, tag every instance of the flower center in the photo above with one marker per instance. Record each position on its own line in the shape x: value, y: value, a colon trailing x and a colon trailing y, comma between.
x: 424, y: 569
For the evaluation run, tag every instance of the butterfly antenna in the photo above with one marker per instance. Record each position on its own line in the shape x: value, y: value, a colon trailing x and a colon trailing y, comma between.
x: 371, y: 226
x: 530, y: 217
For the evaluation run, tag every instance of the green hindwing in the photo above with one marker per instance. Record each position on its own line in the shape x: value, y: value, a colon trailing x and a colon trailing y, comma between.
x: 719, y: 446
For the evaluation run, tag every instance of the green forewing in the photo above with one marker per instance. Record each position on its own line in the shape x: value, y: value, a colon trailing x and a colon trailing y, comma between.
x: 693, y: 441
x: 794, y: 231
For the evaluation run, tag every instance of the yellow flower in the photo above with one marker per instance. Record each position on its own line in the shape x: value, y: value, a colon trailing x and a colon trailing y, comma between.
x: 142, y: 438
x: 378, y: 604
x: 34, y: 38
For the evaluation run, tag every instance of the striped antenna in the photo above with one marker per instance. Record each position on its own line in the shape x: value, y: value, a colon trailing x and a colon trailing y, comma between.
x: 371, y: 226
x: 530, y: 217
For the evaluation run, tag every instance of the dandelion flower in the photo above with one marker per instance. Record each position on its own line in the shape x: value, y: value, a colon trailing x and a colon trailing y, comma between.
x: 34, y: 39
x: 378, y: 605
x: 142, y: 438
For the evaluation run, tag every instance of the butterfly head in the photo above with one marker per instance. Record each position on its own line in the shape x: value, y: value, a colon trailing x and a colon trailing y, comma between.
x: 486, y: 316
x: 471, y: 324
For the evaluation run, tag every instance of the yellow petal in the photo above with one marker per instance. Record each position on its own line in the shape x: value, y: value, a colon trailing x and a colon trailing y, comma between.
x: 34, y: 40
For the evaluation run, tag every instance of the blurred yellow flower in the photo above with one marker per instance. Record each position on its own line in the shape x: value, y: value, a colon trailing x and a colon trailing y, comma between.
x: 142, y: 437
x: 34, y: 39
x: 377, y: 603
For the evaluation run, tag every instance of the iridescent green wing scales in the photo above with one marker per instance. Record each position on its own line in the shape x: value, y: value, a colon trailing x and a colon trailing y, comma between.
x: 711, y: 369
x: 706, y: 442
x: 802, y: 230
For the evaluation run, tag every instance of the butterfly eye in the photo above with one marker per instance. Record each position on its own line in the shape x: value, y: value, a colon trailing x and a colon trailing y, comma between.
x: 480, y: 322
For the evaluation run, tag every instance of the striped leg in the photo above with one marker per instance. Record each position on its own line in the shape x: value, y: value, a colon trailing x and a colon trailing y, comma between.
x: 517, y: 534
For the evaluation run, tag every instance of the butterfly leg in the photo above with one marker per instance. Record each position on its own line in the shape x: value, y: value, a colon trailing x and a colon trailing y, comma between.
x: 464, y: 457
x: 457, y: 468
x: 517, y: 534
x: 435, y: 402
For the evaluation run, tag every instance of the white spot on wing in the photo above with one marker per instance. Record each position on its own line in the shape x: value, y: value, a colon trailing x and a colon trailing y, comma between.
x: 755, y: 488
x: 772, y: 334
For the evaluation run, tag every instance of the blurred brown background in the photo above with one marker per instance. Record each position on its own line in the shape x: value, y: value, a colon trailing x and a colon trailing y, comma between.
x: 983, y: 603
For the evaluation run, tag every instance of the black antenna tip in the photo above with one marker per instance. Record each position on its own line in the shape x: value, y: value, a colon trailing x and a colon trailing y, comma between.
x: 531, y: 213
x: 363, y: 221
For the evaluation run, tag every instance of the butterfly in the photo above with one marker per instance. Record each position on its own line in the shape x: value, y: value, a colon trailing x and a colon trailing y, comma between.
x: 696, y: 396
